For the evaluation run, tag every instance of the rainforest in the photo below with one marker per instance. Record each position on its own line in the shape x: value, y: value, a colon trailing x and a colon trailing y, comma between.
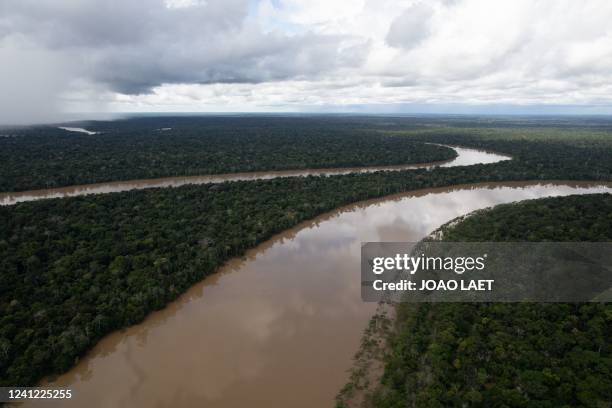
x: 75, y: 270
x: 498, y: 354
x: 192, y: 193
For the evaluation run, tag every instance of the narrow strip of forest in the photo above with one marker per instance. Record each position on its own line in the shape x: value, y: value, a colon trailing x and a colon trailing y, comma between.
x: 46, y: 157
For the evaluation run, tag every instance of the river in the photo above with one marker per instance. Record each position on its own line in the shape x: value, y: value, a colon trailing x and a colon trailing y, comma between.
x: 464, y: 157
x: 78, y: 129
x: 278, y: 327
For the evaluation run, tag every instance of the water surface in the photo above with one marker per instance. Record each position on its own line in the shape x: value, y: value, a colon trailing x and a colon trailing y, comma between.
x: 279, y: 327
x: 78, y: 129
x: 464, y: 157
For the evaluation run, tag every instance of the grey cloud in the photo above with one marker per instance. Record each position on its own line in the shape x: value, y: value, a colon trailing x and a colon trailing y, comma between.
x: 132, y: 46
x: 411, y: 27
x: 30, y: 82
x: 401, y: 83
x: 238, y: 58
x: 444, y: 51
x: 107, y: 23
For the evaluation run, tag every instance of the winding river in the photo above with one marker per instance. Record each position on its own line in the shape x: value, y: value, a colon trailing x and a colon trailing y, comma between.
x: 464, y: 157
x: 279, y: 326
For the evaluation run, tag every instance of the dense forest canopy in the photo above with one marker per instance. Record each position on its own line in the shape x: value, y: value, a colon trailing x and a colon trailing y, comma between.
x: 150, y: 147
x: 500, y: 354
x: 44, y: 157
x: 72, y: 270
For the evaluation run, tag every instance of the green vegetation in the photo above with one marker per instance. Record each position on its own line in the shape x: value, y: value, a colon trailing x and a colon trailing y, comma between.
x: 507, y: 355
x: 72, y: 270
x: 46, y: 157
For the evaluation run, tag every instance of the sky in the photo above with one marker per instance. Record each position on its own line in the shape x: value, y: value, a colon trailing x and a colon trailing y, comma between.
x: 381, y: 56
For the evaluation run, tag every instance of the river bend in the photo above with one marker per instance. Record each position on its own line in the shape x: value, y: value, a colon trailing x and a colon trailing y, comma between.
x: 278, y: 327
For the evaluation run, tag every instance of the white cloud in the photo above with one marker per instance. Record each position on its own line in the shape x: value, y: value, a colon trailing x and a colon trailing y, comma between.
x: 242, y: 55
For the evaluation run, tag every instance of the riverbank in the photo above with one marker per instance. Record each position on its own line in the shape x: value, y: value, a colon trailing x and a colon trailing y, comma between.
x: 464, y: 157
x: 255, y: 324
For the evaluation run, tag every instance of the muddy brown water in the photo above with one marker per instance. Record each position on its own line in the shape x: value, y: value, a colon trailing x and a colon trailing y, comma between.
x: 464, y: 157
x: 279, y: 327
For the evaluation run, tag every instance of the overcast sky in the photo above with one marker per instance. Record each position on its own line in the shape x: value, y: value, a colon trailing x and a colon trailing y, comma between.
x: 304, y: 55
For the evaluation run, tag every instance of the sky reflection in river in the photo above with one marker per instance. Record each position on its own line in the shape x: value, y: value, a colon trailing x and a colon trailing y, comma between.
x: 279, y: 327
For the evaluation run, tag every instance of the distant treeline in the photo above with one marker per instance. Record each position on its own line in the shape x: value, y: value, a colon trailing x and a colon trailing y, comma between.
x: 45, y: 157
x: 72, y: 270
x: 500, y: 354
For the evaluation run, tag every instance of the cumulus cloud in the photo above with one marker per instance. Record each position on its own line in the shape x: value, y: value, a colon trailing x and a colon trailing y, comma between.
x: 134, y: 45
x: 410, y: 27
x: 239, y: 55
